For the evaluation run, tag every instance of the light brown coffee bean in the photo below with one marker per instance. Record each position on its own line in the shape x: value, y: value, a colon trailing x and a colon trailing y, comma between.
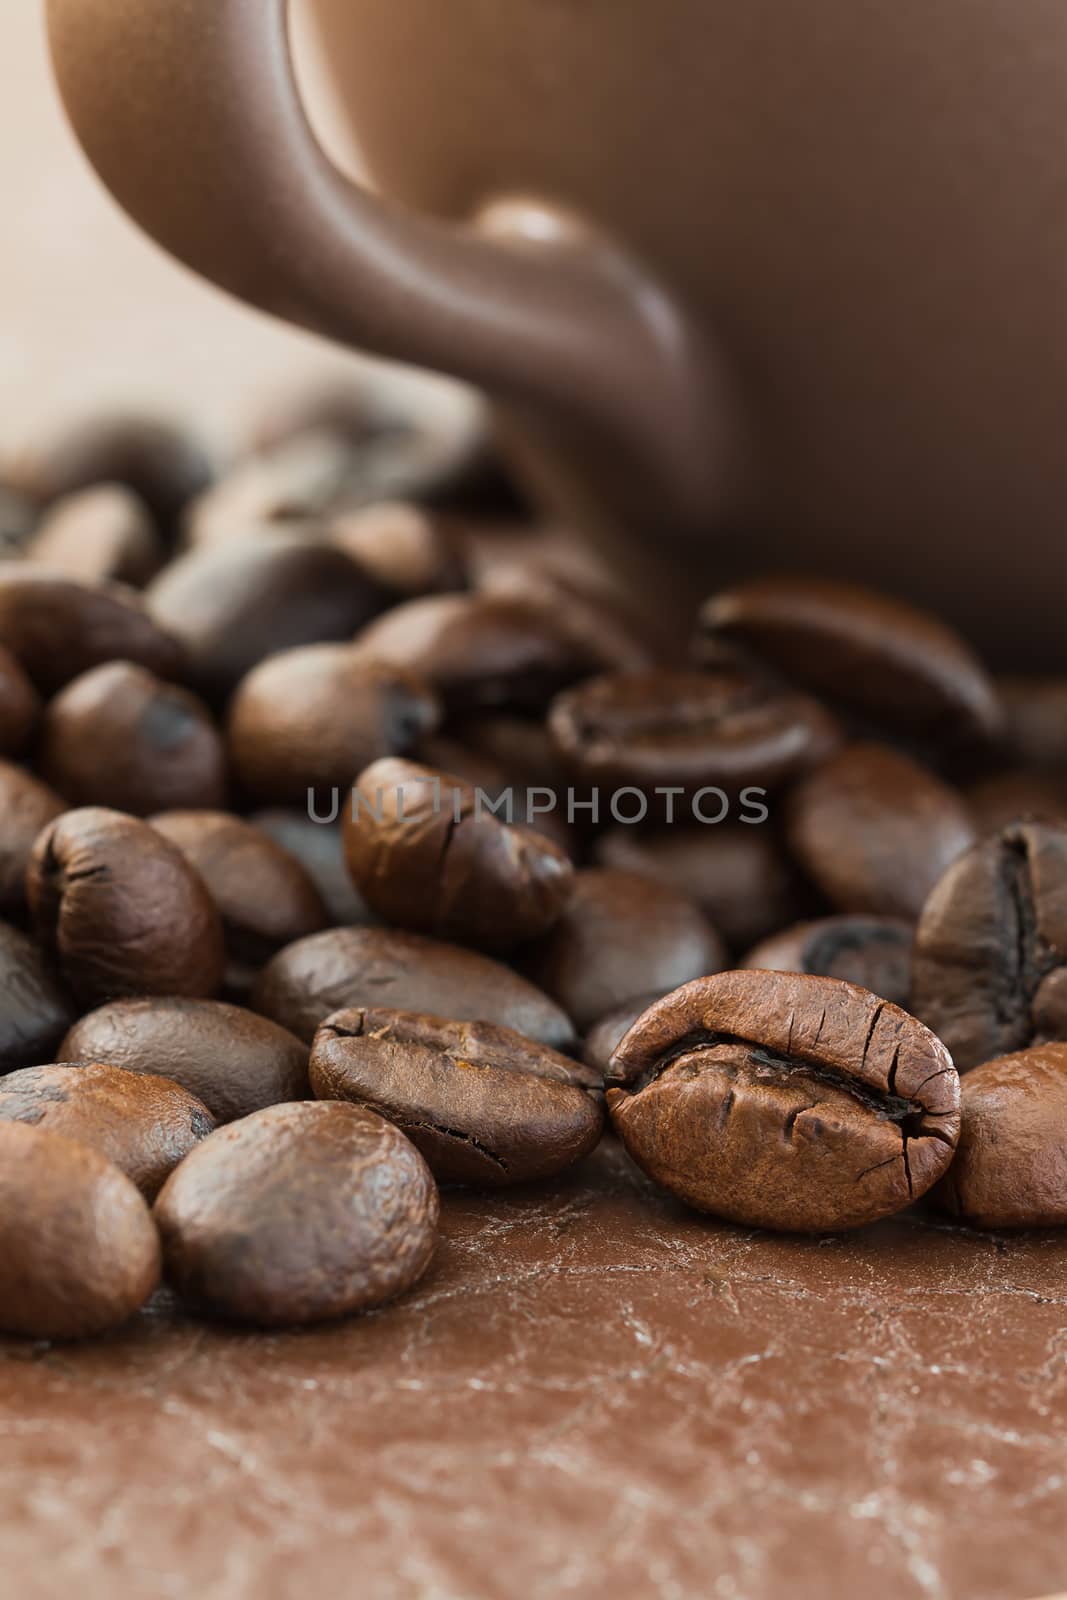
x: 100, y: 535
x: 409, y: 550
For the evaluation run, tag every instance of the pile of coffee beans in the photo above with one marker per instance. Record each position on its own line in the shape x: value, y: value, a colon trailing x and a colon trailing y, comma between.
x: 357, y: 836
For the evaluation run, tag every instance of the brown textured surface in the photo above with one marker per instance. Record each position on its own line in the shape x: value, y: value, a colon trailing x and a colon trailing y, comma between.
x: 591, y: 1394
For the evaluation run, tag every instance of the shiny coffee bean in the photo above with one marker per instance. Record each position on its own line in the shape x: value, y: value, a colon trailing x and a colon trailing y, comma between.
x: 409, y: 550
x: 298, y: 1214
x: 144, y: 1124
x: 119, y: 736
x: 100, y: 535
x: 874, y: 830
x: 781, y: 1101
x: 1012, y: 796
x: 1010, y: 1170
x: 899, y: 667
x: 426, y: 855
x: 1035, y: 722
x: 79, y: 1253
x: 688, y: 731
x: 262, y: 893
x: 232, y: 605
x: 604, y: 1037
x: 26, y: 807
x: 36, y: 1010
x: 121, y: 910
x: 352, y: 967
x: 20, y: 705
x: 157, y: 460
x: 59, y: 628
x: 319, y: 847
x: 482, y: 1103
x: 872, y: 952
x: 620, y: 936
x: 312, y: 719
x: 232, y: 1060
x: 990, y: 961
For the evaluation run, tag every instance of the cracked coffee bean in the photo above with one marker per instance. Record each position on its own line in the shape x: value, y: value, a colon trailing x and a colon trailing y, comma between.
x: 1010, y: 1169
x: 312, y: 719
x: 27, y: 806
x: 20, y: 706
x: 426, y: 855
x: 873, y: 952
x: 895, y: 665
x: 232, y: 1060
x: 158, y: 461
x: 79, y: 1253
x: 620, y: 936
x: 298, y: 1214
x: 688, y: 731
x: 36, y: 1010
x: 990, y: 962
x: 788, y: 1102
x: 119, y: 736
x: 349, y: 967
x: 875, y: 831
x: 482, y: 1103
x: 144, y: 1124
x: 59, y: 628
x: 100, y: 535
x: 121, y: 909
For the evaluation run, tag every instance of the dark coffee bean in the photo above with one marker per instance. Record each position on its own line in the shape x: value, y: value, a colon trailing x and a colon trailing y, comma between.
x: 26, y: 807
x: 119, y: 736
x: 621, y: 936
x: 426, y: 855
x: 59, y: 628
x: 409, y: 550
x: 298, y: 1214
x: 781, y: 1101
x: 1008, y: 797
x: 100, y: 535
x: 36, y: 1010
x: 604, y: 1037
x: 482, y: 1103
x: 898, y: 667
x: 688, y: 731
x: 990, y: 944
x: 79, y: 1253
x: 121, y: 909
x: 20, y: 705
x: 231, y: 1059
x: 314, y: 718
x: 319, y: 847
x: 1035, y: 722
x: 144, y: 1124
x: 1010, y: 1169
x: 873, y: 952
x: 233, y: 605
x: 155, y: 459
x: 263, y: 895
x: 737, y: 873
x: 520, y: 747
x: 875, y: 831
x: 372, y: 966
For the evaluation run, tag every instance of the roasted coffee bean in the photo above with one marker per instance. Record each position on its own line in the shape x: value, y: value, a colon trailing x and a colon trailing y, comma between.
x: 158, y: 461
x: 100, y: 535
x: 873, y: 952
x: 424, y: 853
x: 26, y: 807
x: 263, y: 895
x: 520, y: 747
x: 20, y: 705
x: 898, y: 667
x: 409, y: 550
x: 312, y: 719
x: 1010, y: 1169
x: 688, y: 731
x: 1013, y: 796
x: 781, y: 1101
x: 621, y: 936
x: 482, y: 1103
x: 121, y: 909
x: 119, y: 736
x: 59, y: 628
x: 36, y: 1010
x: 144, y: 1124
x: 349, y: 967
x: 604, y: 1037
x: 580, y: 594
x: 319, y: 847
x: 292, y: 488
x: 1035, y: 722
x: 79, y: 1253
x: 737, y: 873
x: 514, y: 796
x: 875, y: 831
x: 234, y: 604
x: 231, y: 1059
x: 298, y: 1214
x: 990, y: 963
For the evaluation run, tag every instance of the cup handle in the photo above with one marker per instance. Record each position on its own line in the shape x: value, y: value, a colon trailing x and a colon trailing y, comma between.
x: 190, y: 112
